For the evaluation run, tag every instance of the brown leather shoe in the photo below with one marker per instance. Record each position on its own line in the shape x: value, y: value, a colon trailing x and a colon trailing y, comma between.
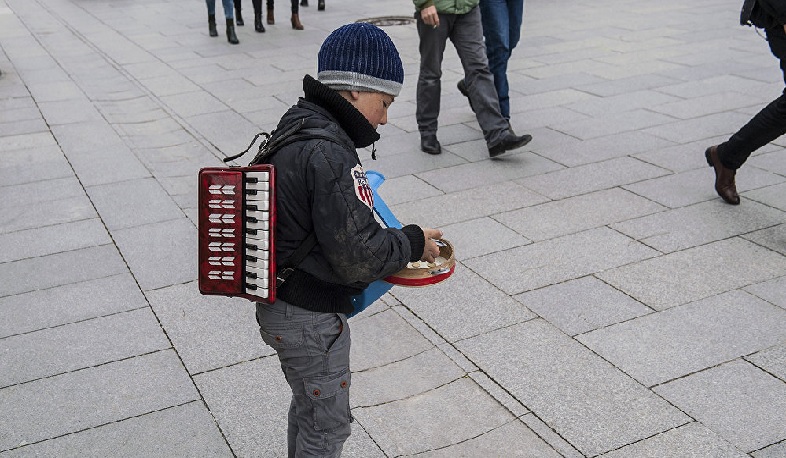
x: 270, y: 18
x: 724, y: 177
x: 296, y: 22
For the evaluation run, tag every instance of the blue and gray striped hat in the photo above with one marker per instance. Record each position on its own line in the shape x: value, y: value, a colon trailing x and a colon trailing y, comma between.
x: 360, y: 57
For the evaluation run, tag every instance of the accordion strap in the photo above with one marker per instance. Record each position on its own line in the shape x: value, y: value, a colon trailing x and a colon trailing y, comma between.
x: 293, y: 261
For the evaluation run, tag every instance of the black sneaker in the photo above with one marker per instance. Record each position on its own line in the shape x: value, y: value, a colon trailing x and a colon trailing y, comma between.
x: 430, y: 145
x: 508, y: 142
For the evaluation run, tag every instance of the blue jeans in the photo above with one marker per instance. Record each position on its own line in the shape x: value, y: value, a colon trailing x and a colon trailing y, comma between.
x: 313, y: 349
x: 502, y: 31
x: 229, y: 12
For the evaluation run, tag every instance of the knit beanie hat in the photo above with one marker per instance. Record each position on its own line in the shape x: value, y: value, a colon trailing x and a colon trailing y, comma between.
x: 360, y: 57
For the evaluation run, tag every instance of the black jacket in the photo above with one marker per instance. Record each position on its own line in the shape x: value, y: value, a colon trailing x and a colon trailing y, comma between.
x: 768, y: 13
x: 321, y: 188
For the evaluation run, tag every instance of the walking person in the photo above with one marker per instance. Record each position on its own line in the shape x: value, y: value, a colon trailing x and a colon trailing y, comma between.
x: 230, y: 21
x: 769, y: 123
x: 501, y: 21
x: 324, y: 203
x: 459, y: 21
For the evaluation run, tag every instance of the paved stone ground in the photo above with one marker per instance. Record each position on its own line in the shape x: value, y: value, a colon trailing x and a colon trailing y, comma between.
x: 606, y: 303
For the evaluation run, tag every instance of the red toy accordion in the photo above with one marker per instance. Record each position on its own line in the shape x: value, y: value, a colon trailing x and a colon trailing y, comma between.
x: 237, y: 213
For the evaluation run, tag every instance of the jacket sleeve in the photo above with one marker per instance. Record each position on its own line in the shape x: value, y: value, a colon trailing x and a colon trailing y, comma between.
x: 357, y: 247
x: 420, y: 4
x: 775, y: 8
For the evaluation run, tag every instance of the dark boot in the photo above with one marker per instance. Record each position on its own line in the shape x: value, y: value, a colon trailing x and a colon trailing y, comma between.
x: 211, y: 25
x: 321, y: 5
x: 258, y: 22
x: 296, y: 22
x: 231, y: 37
x: 303, y: 2
x: 724, y: 177
x: 270, y: 19
x: 238, y: 12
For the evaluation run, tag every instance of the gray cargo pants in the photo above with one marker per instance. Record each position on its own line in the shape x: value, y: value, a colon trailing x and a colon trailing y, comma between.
x: 465, y: 31
x: 313, y: 349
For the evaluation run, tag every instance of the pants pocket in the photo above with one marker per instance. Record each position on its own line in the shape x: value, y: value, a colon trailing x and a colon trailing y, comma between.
x: 329, y: 397
x: 283, y: 337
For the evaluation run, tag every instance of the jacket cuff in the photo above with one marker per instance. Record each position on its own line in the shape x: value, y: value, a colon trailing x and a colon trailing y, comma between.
x: 417, y: 241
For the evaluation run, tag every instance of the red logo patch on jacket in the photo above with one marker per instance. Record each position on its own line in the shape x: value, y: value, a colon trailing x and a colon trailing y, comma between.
x: 362, y: 188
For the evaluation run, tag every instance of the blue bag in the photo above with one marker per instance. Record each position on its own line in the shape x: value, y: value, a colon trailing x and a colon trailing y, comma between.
x: 376, y: 289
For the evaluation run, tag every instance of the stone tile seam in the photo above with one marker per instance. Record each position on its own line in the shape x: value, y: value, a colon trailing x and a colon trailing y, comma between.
x: 38, y: 379
x: 59, y: 286
x: 44, y: 226
x: 515, y: 419
x: 61, y: 252
x: 745, y: 357
x: 766, y: 446
x: 75, y: 322
x: 714, y: 366
x: 227, y: 366
x: 100, y: 426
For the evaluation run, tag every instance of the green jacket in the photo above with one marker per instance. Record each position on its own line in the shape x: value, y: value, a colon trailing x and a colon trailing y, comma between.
x: 447, y: 6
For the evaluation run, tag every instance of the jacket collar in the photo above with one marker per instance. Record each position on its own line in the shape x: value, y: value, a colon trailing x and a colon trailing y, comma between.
x: 348, y: 117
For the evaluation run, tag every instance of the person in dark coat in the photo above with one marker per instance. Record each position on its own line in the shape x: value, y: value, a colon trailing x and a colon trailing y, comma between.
x: 322, y: 190
x: 769, y: 123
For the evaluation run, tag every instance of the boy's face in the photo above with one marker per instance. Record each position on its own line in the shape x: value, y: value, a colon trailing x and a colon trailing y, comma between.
x: 373, y: 105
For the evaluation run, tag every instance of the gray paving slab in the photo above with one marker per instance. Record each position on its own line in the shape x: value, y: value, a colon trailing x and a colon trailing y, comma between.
x: 771, y: 238
x: 47, y: 213
x: 69, y: 303
x: 496, y: 237
x: 772, y: 291
x: 576, y: 214
x: 591, y: 177
x: 187, y: 430
x: 71, y: 402
x: 518, y: 440
x: 59, y: 269
x: 133, y: 203
x: 773, y: 451
x: 75, y: 346
x: 582, y: 305
x: 772, y: 360
x: 740, y: 402
x: 410, y: 424
x: 557, y: 260
x: 698, y: 224
x: 587, y: 401
x: 403, y: 379
x: 599, y: 149
x: 399, y: 341
x: 693, y: 437
x: 682, y: 276
x: 159, y: 254
x: 689, y: 338
x: 452, y: 310
x: 34, y: 193
x: 209, y: 332
x: 59, y: 238
x: 466, y: 205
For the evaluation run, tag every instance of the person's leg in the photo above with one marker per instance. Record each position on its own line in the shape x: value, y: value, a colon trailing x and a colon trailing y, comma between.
x: 467, y: 37
x: 229, y: 8
x: 432, y: 49
x: 313, y: 349
x: 768, y: 124
x: 211, y: 7
x: 496, y: 30
x: 238, y: 12
x: 296, y: 24
x: 270, y: 8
